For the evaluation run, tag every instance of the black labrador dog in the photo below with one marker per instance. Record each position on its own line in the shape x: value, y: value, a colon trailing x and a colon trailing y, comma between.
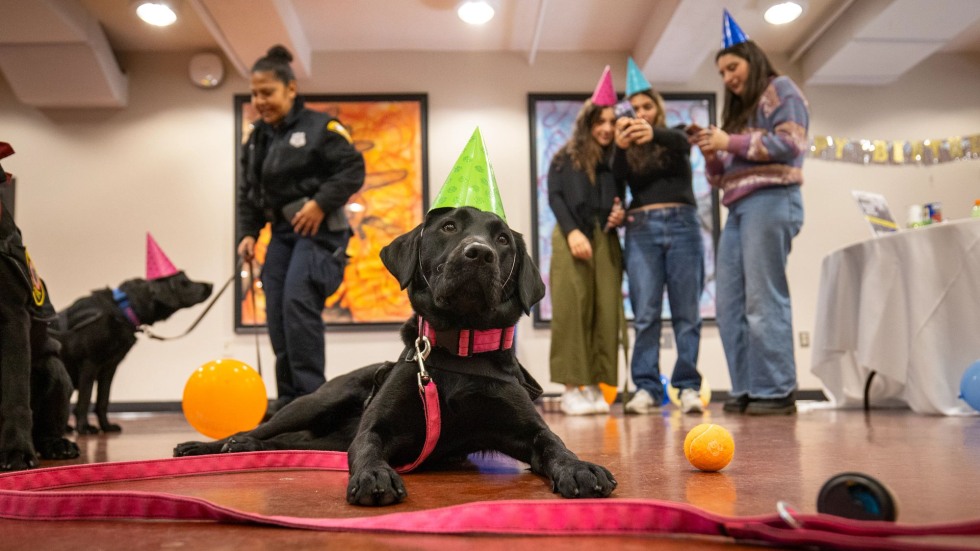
x: 468, y: 275
x: 34, y: 387
x: 98, y: 330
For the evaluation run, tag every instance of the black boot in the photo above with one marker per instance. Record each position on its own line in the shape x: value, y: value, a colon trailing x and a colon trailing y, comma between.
x: 772, y: 406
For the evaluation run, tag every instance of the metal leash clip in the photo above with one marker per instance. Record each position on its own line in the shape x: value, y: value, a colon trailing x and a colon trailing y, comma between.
x: 786, y: 513
x: 420, y: 355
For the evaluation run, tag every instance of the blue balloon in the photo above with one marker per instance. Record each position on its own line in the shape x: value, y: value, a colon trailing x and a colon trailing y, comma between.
x: 970, y: 386
x: 664, y: 381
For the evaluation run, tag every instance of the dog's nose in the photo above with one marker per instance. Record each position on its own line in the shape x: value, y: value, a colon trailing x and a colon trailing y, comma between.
x: 480, y: 252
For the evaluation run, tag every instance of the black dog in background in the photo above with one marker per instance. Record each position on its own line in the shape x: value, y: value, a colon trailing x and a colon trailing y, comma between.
x: 465, y: 270
x: 98, y: 330
x: 34, y: 387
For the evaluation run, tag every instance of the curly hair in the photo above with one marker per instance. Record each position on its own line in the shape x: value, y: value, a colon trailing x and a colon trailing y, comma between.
x: 738, y: 109
x: 584, y: 152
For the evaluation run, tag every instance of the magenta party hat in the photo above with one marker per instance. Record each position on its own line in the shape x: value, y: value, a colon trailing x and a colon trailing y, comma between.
x: 471, y: 182
x: 731, y: 33
x: 157, y: 263
x: 604, y: 95
x: 635, y: 81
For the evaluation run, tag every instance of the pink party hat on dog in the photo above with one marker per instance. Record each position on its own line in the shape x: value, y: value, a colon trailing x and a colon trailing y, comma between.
x: 157, y: 263
x: 604, y: 95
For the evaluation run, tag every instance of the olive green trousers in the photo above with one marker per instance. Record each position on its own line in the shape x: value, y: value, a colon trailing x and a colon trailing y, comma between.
x: 588, y: 323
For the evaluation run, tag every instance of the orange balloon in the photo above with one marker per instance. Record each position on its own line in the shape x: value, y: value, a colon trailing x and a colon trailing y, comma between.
x: 224, y: 397
x: 709, y: 447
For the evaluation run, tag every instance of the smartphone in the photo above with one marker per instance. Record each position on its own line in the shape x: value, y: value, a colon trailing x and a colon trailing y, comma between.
x: 624, y: 109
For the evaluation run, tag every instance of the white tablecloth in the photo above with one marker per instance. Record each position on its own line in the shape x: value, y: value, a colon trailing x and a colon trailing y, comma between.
x: 906, y: 306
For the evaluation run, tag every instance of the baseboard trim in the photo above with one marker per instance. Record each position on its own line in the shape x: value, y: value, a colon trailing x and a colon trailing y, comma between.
x: 166, y: 407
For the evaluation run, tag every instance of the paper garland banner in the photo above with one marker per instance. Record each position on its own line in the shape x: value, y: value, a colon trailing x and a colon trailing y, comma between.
x: 895, y: 153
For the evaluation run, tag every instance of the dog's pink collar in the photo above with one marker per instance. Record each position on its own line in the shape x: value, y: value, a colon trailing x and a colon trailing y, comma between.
x: 466, y: 342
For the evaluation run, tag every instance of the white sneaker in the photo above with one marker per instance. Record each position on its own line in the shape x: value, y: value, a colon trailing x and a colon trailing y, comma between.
x: 595, y: 396
x: 691, y: 401
x: 573, y: 402
x: 641, y: 402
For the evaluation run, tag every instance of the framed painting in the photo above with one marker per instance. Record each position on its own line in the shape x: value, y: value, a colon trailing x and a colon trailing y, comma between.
x: 551, y: 118
x: 390, y: 131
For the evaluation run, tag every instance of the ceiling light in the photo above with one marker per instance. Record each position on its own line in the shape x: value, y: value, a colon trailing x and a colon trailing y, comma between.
x: 475, y: 12
x: 781, y: 12
x: 156, y: 12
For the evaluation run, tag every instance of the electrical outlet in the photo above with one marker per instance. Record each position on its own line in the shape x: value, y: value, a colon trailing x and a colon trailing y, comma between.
x: 666, y: 340
x: 804, y: 339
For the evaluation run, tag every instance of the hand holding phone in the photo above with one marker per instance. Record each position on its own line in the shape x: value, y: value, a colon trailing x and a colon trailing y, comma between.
x: 693, y: 129
x: 624, y: 109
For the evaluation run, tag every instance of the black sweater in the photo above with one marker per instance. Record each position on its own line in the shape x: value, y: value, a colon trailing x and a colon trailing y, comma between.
x: 668, y: 181
x: 577, y: 203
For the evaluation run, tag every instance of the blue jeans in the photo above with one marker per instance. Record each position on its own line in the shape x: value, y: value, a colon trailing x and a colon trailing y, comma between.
x: 298, y: 275
x: 754, y: 315
x: 664, y: 247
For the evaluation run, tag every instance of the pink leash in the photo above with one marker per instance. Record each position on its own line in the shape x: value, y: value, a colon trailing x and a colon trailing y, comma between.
x: 28, y: 495
x: 21, y: 498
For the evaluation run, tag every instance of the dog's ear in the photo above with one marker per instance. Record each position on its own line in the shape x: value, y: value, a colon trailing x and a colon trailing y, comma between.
x: 401, y: 256
x: 530, y: 287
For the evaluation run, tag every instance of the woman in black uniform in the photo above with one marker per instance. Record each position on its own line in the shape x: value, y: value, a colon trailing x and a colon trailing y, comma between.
x: 298, y: 170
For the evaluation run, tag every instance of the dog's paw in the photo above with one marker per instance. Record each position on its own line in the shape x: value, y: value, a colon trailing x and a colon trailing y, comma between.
x: 375, y: 487
x: 111, y: 427
x: 57, y: 448
x: 87, y: 429
x: 237, y: 444
x: 17, y: 460
x: 584, y: 479
x: 195, y: 448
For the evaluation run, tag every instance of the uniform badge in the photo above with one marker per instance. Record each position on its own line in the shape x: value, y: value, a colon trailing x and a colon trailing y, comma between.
x: 37, y: 287
x: 338, y: 128
x: 298, y: 139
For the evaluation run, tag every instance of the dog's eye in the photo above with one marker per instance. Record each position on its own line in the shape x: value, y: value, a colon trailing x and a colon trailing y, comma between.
x: 449, y: 227
x: 502, y: 239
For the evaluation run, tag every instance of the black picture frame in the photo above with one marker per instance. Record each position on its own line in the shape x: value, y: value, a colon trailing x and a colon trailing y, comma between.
x: 550, y: 118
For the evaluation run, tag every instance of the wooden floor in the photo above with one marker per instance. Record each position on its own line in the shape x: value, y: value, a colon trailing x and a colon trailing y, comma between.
x: 931, y: 464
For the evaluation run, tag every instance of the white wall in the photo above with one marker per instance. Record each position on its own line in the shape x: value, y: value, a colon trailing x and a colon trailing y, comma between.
x: 92, y: 183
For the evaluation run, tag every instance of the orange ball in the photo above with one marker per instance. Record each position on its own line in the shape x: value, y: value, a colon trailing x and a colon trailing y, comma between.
x: 224, y: 397
x: 709, y: 447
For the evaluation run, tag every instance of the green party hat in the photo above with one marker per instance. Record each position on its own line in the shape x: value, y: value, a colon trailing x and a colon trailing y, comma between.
x: 471, y: 182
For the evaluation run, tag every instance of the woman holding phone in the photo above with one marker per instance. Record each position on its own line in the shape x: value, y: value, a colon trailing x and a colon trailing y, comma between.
x: 756, y: 158
x: 663, y: 245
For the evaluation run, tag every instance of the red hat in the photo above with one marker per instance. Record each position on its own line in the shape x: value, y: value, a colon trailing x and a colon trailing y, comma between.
x: 5, y: 151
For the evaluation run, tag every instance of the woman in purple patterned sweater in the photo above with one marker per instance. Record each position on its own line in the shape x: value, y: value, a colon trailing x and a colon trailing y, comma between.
x: 756, y: 158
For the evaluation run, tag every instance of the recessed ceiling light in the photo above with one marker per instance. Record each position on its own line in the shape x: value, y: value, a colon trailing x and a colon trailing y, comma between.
x: 475, y: 12
x: 156, y: 12
x: 781, y: 13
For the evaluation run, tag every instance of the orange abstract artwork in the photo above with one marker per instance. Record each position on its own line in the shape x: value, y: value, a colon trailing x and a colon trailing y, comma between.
x: 390, y: 133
